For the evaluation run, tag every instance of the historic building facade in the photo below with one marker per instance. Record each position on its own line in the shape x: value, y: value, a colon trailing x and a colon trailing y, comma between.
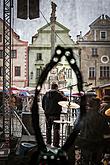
x: 40, y: 55
x: 19, y: 59
x: 95, y: 52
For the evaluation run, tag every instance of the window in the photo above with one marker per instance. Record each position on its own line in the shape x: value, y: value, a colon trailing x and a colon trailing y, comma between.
x: 92, y: 73
x: 69, y: 73
x: 13, y: 54
x: 38, y: 72
x: 1, y: 53
x: 17, y: 71
x: 0, y: 38
x: 39, y: 56
x: 94, y: 51
x: 107, y: 91
x: 1, y: 70
x: 103, y: 35
x: 104, y: 72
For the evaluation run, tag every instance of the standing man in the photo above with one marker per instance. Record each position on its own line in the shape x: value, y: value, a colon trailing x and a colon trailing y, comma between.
x: 93, y: 127
x: 52, y: 112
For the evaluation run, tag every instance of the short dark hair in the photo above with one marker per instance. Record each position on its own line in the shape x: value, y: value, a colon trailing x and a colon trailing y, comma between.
x: 54, y: 86
x: 94, y: 103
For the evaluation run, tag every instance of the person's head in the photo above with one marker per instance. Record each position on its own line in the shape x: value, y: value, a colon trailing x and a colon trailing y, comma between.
x: 94, y: 104
x: 87, y: 97
x: 13, y: 96
x: 54, y: 86
x: 90, y: 95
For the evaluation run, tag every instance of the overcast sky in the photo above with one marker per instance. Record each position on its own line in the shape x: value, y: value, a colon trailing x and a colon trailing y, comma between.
x: 76, y: 15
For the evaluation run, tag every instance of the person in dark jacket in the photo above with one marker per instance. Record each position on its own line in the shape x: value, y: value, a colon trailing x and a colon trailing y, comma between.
x: 52, y: 112
x: 93, y: 127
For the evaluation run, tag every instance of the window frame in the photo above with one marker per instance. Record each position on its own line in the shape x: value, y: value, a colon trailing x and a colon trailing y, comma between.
x: 104, y: 72
x: 38, y: 56
x: 94, y: 52
x: 15, y: 53
x: 17, y: 72
x: 68, y: 73
x: 0, y: 37
x: 38, y: 72
x: 14, y: 56
x: 101, y: 35
x: 92, y: 73
x: 1, y: 71
x: 1, y: 54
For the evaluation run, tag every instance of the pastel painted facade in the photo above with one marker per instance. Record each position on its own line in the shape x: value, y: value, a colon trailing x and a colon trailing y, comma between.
x: 95, y: 52
x: 19, y: 60
x: 40, y: 55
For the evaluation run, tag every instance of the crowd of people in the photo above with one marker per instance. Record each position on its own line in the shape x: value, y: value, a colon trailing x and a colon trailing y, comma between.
x: 20, y: 104
x: 94, y: 126
x: 94, y: 136
x: 16, y: 102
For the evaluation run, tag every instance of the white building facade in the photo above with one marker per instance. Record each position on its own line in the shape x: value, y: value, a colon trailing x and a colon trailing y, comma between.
x: 40, y: 55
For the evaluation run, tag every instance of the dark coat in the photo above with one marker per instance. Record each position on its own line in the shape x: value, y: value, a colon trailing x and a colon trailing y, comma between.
x: 93, y: 127
x: 50, y: 102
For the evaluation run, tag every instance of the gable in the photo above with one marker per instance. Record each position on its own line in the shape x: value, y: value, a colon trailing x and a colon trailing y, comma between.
x: 58, y: 27
x: 102, y: 21
x: 15, y: 36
